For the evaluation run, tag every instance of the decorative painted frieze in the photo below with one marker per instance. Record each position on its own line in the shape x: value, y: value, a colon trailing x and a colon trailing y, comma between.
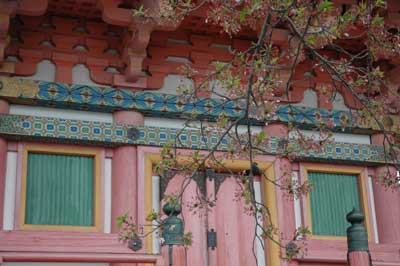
x: 108, y: 99
x: 109, y: 134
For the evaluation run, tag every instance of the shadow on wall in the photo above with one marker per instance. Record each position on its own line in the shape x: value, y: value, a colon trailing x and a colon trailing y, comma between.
x: 45, y: 70
x: 81, y: 75
x: 172, y: 82
x: 310, y: 99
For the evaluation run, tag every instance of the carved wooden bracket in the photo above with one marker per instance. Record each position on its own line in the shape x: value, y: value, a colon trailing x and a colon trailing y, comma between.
x: 7, y: 11
x: 137, y: 38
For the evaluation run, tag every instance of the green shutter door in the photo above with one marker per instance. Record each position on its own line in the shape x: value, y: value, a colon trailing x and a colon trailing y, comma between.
x: 332, y: 197
x: 59, y: 190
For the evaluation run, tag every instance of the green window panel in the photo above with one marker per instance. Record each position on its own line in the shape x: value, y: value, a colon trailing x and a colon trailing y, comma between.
x: 332, y: 197
x: 59, y: 190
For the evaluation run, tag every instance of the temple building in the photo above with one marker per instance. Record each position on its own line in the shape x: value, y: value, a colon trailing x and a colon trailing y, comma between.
x: 87, y: 101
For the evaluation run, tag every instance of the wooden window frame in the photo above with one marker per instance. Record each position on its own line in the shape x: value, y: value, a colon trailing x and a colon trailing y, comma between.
x: 362, y: 194
x: 95, y: 154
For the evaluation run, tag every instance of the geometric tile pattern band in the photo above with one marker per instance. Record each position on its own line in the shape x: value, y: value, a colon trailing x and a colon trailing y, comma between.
x: 111, y: 135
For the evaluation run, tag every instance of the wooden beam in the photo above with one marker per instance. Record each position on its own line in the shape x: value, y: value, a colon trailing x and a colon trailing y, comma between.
x: 79, y: 257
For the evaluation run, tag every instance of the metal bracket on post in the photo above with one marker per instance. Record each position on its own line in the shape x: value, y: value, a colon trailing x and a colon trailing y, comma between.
x: 164, y: 180
x: 170, y: 254
x: 135, y: 244
x: 172, y: 227
x: 212, y: 239
x: 200, y: 179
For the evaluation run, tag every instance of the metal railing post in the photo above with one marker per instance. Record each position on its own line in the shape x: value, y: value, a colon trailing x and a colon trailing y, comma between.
x: 357, y: 240
x: 172, y: 232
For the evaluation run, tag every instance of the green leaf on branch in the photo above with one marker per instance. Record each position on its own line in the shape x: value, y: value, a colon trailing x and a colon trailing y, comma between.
x: 187, y: 239
x: 121, y: 219
x: 325, y: 6
x: 140, y: 11
x: 153, y: 216
x: 378, y: 21
x: 380, y: 3
x: 243, y: 14
x: 261, y: 137
x: 378, y: 73
x: 310, y: 40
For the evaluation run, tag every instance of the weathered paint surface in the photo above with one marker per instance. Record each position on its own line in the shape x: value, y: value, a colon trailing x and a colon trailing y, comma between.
x: 387, y: 215
x: 235, y: 227
x: 359, y: 258
x: 194, y: 223
x: 87, y: 56
x: 3, y: 163
x: 52, y: 264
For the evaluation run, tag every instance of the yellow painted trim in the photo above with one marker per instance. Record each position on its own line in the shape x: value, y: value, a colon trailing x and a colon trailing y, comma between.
x: 272, y: 251
x: 8, y: 67
x: 268, y: 194
x: 96, y: 154
x: 362, y: 189
x: 150, y: 161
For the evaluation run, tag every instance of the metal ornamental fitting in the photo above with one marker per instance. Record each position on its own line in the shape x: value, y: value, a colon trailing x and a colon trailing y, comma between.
x: 172, y: 228
x: 135, y: 244
x: 357, y: 236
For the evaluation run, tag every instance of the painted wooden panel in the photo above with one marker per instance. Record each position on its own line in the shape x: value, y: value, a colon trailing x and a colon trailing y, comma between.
x: 322, y: 252
x: 60, y: 190
x: 57, y: 241
x: 62, y: 113
x: 296, y: 202
x: 9, y: 192
x: 260, y: 243
x: 332, y: 197
x: 107, y: 195
x: 53, y: 264
x: 337, y: 137
x: 194, y: 223
x: 3, y: 173
x: 235, y: 228
x: 156, y: 208
x: 323, y: 264
x: 373, y: 211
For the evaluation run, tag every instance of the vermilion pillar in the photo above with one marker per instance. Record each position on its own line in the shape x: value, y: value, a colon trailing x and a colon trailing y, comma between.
x: 387, y: 215
x: 285, y: 205
x: 3, y: 162
x: 124, y: 173
x: 124, y: 181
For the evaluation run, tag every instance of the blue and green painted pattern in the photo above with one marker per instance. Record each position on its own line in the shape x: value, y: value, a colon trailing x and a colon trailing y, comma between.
x: 107, y: 99
x: 110, y: 134
x: 100, y: 133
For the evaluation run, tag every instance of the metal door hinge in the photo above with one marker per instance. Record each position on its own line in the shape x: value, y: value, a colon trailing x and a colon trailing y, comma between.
x: 211, y: 239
